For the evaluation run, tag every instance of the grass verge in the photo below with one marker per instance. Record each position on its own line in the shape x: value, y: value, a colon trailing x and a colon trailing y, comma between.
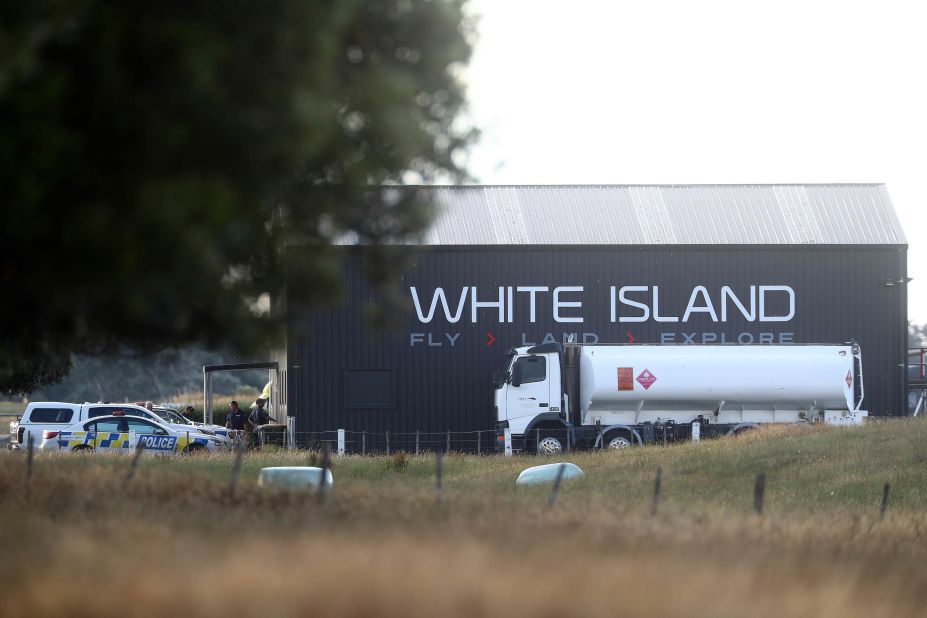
x: 174, y: 539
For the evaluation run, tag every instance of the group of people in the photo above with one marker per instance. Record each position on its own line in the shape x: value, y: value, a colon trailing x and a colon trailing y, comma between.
x: 239, y: 420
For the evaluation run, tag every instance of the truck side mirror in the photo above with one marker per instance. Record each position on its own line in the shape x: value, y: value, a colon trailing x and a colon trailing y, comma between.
x: 516, y: 374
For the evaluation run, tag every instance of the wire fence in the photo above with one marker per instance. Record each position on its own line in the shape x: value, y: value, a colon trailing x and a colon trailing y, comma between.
x: 547, y: 441
x: 481, y: 442
x: 759, y: 486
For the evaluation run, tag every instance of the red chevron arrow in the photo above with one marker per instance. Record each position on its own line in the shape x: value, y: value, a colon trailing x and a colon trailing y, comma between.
x: 490, y: 339
x: 630, y: 337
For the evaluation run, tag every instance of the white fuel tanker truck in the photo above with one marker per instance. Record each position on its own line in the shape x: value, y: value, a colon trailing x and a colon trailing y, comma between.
x: 551, y: 398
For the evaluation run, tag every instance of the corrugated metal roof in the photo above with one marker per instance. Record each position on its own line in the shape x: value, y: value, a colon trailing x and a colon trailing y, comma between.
x: 831, y: 214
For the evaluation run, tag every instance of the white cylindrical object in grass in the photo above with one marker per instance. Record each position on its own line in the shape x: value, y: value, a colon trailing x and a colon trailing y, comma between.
x: 538, y: 475
x: 296, y: 477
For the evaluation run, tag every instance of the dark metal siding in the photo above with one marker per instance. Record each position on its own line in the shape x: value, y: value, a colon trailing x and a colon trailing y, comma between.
x: 841, y: 294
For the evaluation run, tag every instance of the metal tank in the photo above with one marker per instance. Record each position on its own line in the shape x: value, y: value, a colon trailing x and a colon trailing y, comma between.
x: 632, y: 384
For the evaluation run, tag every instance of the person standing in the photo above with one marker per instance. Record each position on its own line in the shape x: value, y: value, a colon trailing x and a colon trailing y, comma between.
x: 236, y: 420
x: 258, y: 418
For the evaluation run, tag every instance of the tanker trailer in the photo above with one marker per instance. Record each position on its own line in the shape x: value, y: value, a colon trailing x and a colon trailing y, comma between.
x: 552, y: 397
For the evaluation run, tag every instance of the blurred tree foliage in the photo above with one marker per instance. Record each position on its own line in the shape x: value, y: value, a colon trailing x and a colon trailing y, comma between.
x: 156, y: 157
x: 159, y: 377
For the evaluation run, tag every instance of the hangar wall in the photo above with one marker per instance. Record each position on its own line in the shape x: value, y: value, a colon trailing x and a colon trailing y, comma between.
x: 433, y: 373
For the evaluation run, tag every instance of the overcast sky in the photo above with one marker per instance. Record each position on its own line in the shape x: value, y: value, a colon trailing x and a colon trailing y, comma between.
x: 589, y: 92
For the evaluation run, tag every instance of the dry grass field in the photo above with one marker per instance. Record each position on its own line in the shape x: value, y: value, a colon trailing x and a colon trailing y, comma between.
x: 82, y: 540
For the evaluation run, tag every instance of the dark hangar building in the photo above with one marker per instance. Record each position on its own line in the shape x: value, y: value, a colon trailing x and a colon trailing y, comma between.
x: 503, y: 266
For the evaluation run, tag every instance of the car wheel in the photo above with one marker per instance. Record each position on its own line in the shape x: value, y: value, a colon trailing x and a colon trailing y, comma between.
x: 82, y: 448
x: 194, y: 449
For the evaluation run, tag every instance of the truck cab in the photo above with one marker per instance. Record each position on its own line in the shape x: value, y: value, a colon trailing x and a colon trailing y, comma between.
x: 529, y: 399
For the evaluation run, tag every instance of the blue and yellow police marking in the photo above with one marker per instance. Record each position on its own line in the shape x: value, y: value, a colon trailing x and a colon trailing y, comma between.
x: 76, y: 438
x: 113, y: 439
x: 105, y: 439
x: 184, y: 442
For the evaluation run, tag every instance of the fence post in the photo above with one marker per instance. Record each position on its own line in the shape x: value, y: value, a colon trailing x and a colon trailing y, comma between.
x: 236, y: 467
x: 508, y: 442
x: 439, y: 473
x: 30, y: 453
x: 138, y: 453
x: 387, y: 443
x: 447, y: 449
x: 291, y: 432
x: 479, y: 436
x: 326, y: 463
x: 759, y: 488
x: 417, y: 434
x: 656, y: 491
x: 364, y: 442
x: 556, y: 488
x: 696, y: 431
x: 341, y: 443
x: 884, y: 500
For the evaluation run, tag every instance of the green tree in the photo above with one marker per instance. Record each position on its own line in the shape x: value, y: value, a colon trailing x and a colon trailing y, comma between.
x: 156, y: 157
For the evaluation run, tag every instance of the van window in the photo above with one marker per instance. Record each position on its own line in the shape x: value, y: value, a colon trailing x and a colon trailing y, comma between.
x: 533, y: 369
x: 114, y: 411
x: 51, y: 415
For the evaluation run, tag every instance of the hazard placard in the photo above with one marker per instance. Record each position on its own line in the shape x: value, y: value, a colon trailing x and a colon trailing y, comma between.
x: 626, y: 378
x: 646, y: 379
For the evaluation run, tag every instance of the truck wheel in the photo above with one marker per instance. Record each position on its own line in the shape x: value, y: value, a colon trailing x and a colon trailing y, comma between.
x: 744, y: 430
x: 549, y: 445
x: 618, y: 442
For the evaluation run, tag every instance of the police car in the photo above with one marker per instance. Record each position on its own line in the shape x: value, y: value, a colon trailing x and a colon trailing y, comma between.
x: 120, y: 433
x: 55, y: 416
